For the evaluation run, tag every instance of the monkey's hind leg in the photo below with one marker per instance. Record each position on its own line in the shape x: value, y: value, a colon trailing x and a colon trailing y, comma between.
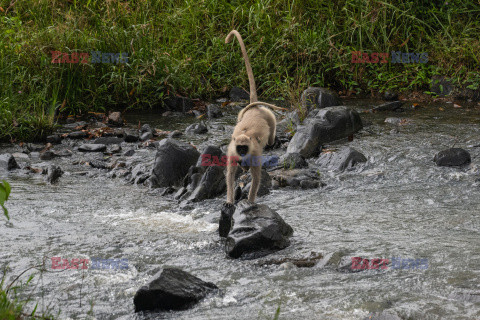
x: 256, y: 172
x: 231, y: 170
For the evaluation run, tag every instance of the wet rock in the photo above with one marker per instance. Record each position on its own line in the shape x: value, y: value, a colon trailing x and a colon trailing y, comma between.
x: 76, y: 125
x: 293, y: 161
x: 92, y: 147
x: 208, y: 155
x: 211, y: 184
x: 245, y: 182
x: 256, y: 231
x: 129, y: 153
x: 172, y: 289
x: 323, y: 126
x: 213, y: 111
x: 54, y: 139
x: 225, y: 222
x: 390, y: 95
x: 146, y: 133
x: 441, y: 86
x: 341, y: 160
x: 172, y: 161
x: 297, y: 178
x: 115, y: 149
x: 47, y: 155
x: 131, y: 137
x: 77, y: 135
x: 53, y: 174
x: 8, y: 162
x: 20, y: 156
x: 196, y: 128
x: 389, y: 106
x: 397, y: 121
x: 238, y: 94
x: 139, y: 174
x: 303, y: 262
x: 108, y: 140
x: 309, y: 184
x: 98, y: 164
x: 452, y: 157
x: 115, y: 119
x: 179, y: 104
x: 175, y: 134
x: 315, y: 97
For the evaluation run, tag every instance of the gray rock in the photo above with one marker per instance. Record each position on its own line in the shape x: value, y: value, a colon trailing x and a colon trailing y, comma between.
x: 341, y: 160
x: 146, y: 133
x: 256, y: 230
x: 196, y: 128
x: 76, y: 125
x: 211, y: 184
x: 115, y: 119
x: 207, y: 155
x: 323, y: 126
x: 172, y: 289
x: 92, y: 147
x: 53, y: 174
x: 315, y: 97
x: 309, y: 184
x: 238, y: 94
x: 293, y: 161
x: 172, y: 161
x: 452, y: 157
x: 7, y: 162
x: 78, y: 135
x: 265, y: 185
x: 213, y: 111
x: 47, y: 155
x: 175, y: 134
x: 131, y: 137
x: 108, y: 140
x: 129, y: 153
x: 54, y: 139
x: 115, y: 148
x: 389, y: 106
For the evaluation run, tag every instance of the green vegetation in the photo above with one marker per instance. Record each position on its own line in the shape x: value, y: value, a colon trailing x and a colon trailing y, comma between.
x: 4, y: 193
x: 12, y: 307
x: 178, y: 47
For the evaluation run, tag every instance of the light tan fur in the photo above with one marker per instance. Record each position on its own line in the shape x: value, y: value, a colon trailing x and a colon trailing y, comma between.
x: 255, y: 128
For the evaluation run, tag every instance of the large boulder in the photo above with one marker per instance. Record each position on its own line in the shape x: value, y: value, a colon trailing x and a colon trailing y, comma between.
x: 172, y: 161
x: 315, y: 97
x: 452, y: 157
x: 323, y: 126
x: 211, y: 184
x: 7, y: 162
x: 293, y: 161
x: 256, y: 231
x: 245, y: 182
x: 346, y: 158
x: 92, y: 147
x: 172, y: 289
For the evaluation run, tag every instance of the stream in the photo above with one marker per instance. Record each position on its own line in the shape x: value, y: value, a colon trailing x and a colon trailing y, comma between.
x: 398, y: 204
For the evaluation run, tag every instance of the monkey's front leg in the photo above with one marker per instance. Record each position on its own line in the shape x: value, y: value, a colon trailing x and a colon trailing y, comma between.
x: 256, y: 172
x: 231, y: 170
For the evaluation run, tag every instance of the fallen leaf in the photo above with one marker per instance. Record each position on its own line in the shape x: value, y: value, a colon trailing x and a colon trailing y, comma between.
x: 441, y: 109
x: 456, y: 106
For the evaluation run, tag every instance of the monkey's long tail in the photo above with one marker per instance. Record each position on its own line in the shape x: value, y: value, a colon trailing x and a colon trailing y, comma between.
x: 251, y: 80
x: 253, y: 104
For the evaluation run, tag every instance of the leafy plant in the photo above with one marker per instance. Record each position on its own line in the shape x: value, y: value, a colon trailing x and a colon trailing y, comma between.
x: 4, y: 193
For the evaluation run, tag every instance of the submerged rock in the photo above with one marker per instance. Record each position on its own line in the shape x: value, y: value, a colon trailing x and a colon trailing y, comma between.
x: 341, y: 160
x: 196, y: 128
x: 452, y: 157
x: 213, y: 111
x: 8, y: 162
x: 256, y: 231
x: 172, y: 289
x: 172, y: 161
x: 315, y: 97
x: 293, y: 161
x: 53, y: 174
x: 323, y: 126
x: 389, y: 106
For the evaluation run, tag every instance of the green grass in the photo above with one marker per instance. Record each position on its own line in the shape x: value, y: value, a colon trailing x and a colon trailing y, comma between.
x: 178, y: 47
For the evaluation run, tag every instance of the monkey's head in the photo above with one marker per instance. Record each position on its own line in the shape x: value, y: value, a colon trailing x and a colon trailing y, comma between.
x: 242, y: 144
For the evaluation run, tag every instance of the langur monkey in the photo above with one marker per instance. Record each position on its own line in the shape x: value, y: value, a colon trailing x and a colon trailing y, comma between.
x: 255, y: 128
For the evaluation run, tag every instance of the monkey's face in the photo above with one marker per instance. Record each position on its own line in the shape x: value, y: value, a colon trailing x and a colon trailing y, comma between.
x: 242, y: 145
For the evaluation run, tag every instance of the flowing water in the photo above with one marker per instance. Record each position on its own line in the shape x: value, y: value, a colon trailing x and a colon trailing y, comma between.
x: 399, y: 204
